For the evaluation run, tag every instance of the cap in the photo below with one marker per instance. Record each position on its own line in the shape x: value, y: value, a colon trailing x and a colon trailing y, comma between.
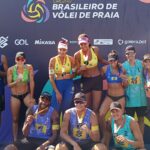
x: 112, y: 57
x: 129, y: 49
x: 20, y: 54
x: 146, y: 57
x: 63, y: 43
x: 46, y: 95
x: 83, y: 40
x: 115, y: 105
x: 79, y: 96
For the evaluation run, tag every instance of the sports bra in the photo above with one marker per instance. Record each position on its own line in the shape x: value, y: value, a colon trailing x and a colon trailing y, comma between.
x: 91, y: 63
x: 112, y: 78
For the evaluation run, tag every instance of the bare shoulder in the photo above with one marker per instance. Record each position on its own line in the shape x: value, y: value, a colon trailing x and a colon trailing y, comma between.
x: 77, y: 54
x: 3, y: 58
x: 96, y: 49
x: 93, y: 115
x: 10, y: 69
x: 52, y: 60
x: 133, y: 123
x: 29, y: 66
x: 104, y: 68
x: 67, y: 115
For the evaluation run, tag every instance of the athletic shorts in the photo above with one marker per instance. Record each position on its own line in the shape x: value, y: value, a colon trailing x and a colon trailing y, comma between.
x: 140, y: 111
x: 91, y: 84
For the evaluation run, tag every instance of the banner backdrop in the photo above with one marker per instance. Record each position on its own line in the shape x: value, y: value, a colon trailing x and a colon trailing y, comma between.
x: 35, y: 27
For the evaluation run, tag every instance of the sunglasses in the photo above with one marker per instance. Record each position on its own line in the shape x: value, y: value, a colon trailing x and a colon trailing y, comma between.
x: 79, y: 102
x: 20, y: 59
x: 130, y: 53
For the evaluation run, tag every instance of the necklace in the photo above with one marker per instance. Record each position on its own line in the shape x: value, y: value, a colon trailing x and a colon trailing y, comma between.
x: 117, y: 128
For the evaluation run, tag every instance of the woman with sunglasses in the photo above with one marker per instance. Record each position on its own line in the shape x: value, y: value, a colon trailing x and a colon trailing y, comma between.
x: 87, y: 60
x: 116, y: 79
x: 20, y: 78
x: 61, y: 70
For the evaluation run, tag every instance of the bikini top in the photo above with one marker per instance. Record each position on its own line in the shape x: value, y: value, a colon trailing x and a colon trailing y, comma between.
x: 61, y: 68
x: 113, y: 78
x: 91, y: 63
x: 25, y: 75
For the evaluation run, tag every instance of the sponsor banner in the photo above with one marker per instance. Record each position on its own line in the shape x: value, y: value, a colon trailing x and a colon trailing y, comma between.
x: 21, y: 42
x: 41, y: 11
x: 103, y: 41
x: 131, y: 42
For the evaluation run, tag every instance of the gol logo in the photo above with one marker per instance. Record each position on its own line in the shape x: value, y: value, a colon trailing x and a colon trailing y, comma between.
x: 35, y: 11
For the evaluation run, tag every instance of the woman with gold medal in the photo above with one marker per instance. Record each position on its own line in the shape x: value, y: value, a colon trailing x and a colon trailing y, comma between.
x: 61, y: 70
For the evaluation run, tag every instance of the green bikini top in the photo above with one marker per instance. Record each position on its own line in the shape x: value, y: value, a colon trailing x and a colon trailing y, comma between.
x: 25, y: 75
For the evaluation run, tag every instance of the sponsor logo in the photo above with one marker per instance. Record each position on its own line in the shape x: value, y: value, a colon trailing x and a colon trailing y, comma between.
x: 73, y: 42
x: 35, y: 11
x: 126, y: 42
x: 42, y: 42
x: 3, y: 41
x: 21, y: 42
x: 103, y: 41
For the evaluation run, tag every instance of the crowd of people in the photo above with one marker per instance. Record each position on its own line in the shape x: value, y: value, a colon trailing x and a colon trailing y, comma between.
x: 84, y: 125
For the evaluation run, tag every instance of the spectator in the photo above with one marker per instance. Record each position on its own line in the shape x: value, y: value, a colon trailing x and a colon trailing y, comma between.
x: 80, y: 129
x: 20, y: 78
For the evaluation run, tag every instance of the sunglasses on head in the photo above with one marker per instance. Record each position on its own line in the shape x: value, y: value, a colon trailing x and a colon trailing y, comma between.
x: 20, y: 59
x: 79, y: 102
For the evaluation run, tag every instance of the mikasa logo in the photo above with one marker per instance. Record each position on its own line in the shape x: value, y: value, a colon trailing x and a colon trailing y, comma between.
x: 42, y: 42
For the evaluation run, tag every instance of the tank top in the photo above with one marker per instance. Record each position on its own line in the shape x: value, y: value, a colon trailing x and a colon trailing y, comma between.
x: 135, y: 91
x: 74, y: 128
x: 93, y: 62
x: 112, y: 78
x: 25, y: 74
x: 2, y: 85
x: 125, y: 131
x: 60, y: 68
x: 41, y: 127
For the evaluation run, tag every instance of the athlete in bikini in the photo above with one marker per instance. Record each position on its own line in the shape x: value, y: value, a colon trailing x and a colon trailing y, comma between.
x: 116, y: 80
x: 20, y: 78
